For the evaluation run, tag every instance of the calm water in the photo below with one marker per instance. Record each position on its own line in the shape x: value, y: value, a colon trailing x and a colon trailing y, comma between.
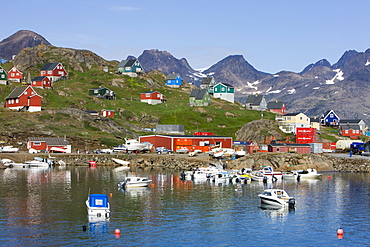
x: 47, y: 208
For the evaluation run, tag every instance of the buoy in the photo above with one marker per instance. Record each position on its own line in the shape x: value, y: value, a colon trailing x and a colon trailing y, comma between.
x: 340, y: 231
x: 117, y: 231
x: 329, y: 177
x: 152, y: 185
x: 111, y: 194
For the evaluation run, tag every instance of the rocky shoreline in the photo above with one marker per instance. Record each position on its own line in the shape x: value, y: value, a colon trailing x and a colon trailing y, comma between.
x: 179, y: 162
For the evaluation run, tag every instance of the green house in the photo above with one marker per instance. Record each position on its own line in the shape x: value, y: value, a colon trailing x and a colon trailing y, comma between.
x: 3, y: 76
x: 224, y: 91
x: 199, y: 97
x: 130, y: 67
x: 102, y: 93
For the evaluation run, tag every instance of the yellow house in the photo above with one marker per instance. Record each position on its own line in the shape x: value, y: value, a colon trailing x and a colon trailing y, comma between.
x: 315, y: 123
x: 291, y: 121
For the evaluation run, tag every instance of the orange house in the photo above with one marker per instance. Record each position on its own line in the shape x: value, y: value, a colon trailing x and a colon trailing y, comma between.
x: 24, y: 98
x: 15, y: 75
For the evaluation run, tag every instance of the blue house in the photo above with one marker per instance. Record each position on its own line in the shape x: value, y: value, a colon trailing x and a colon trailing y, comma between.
x: 329, y: 118
x: 173, y: 80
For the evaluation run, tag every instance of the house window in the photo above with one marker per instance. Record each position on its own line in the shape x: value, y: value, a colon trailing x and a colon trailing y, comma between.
x: 300, y: 118
x: 11, y: 74
x: 50, y: 72
x: 37, y: 143
x: 17, y: 101
x: 289, y: 118
x: 277, y: 149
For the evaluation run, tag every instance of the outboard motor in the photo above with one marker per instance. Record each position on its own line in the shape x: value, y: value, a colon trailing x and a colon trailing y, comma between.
x: 183, y: 175
x: 265, y: 180
x: 291, y: 203
x: 299, y: 177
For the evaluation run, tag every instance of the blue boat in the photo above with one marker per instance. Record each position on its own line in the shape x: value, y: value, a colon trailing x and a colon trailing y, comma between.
x: 98, y: 205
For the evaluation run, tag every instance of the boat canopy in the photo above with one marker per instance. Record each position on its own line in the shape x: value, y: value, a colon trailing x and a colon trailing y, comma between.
x: 98, y: 200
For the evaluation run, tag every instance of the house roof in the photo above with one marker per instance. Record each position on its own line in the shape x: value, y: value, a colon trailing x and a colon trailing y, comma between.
x: 149, y: 92
x: 49, y: 66
x: 206, y: 80
x: 172, y: 76
x: 254, y: 99
x: 275, y: 105
x: 314, y: 120
x: 289, y: 145
x: 51, y: 141
x: 16, y: 92
x: 127, y: 63
x: 225, y: 84
x: 350, y: 126
x: 198, y: 93
x: 292, y: 114
x: 354, y: 121
x: 39, y: 78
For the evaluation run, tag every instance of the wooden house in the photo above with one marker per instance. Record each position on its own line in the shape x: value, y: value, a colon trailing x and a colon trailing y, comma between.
x: 41, y: 82
x: 199, y: 97
x: 130, y: 67
x: 329, y: 118
x: 289, y: 148
x: 208, y: 83
x: 24, y: 98
x: 276, y: 106
x: 291, y: 121
x: 224, y: 91
x: 188, y: 142
x: 358, y: 122
x: 315, y: 123
x: 15, y: 75
x: 173, y: 80
x: 3, y: 76
x: 256, y: 102
x: 54, y: 71
x: 107, y: 113
x: 350, y: 130
x: 152, y: 97
x: 102, y: 93
x: 49, y: 144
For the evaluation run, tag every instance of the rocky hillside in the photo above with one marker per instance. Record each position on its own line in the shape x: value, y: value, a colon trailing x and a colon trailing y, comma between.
x: 22, y: 39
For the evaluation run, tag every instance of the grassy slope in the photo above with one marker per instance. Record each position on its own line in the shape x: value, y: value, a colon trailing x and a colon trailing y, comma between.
x: 220, y: 117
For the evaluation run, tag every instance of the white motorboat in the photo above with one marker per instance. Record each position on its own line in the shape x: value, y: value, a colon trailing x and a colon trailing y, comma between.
x: 269, y: 172
x: 221, y: 176
x: 38, y: 163
x: 135, y: 145
x: 277, y: 197
x: 130, y: 182
x: 302, y: 174
x: 121, y: 162
x: 98, y: 205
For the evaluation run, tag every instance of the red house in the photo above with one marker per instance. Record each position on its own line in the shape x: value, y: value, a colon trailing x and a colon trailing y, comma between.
x: 107, y: 113
x: 24, y: 98
x: 152, y: 97
x: 15, y: 75
x: 54, y: 71
x: 352, y: 131
x: 41, y: 82
x: 277, y: 107
x: 181, y: 142
x: 50, y: 144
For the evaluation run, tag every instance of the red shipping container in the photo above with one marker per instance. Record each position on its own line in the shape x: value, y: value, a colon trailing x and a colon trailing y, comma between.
x: 305, y: 139
x: 306, y: 131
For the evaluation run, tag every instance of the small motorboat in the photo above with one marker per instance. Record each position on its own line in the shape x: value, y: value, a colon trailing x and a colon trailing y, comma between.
x: 37, y: 163
x: 269, y: 172
x: 302, y: 174
x: 277, y: 197
x: 131, y: 182
x: 98, y: 205
x: 121, y: 162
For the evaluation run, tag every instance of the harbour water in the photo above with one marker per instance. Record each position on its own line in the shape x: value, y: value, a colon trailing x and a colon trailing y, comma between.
x: 47, y: 208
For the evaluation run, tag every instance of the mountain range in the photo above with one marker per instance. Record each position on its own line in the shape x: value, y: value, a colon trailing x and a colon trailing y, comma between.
x: 319, y: 87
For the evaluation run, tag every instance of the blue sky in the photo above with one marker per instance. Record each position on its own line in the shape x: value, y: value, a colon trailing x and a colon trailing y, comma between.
x: 272, y: 35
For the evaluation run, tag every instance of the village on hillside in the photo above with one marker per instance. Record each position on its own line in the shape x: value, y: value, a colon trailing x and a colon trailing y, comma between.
x: 304, y: 128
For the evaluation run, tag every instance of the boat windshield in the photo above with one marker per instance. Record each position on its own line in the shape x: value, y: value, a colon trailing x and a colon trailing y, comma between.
x: 267, y: 193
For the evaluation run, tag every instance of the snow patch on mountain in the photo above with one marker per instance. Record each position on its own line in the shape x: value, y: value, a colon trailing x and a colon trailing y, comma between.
x: 338, y: 76
x: 291, y: 91
x: 367, y: 63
